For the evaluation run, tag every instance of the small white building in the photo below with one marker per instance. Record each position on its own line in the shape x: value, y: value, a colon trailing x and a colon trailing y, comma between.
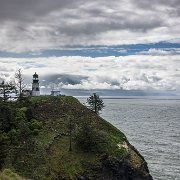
x: 35, y: 85
x: 26, y: 92
x: 55, y: 93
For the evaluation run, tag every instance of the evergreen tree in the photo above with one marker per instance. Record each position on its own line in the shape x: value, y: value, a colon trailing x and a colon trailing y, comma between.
x: 6, y: 124
x: 96, y: 103
x: 6, y: 89
x: 3, y: 148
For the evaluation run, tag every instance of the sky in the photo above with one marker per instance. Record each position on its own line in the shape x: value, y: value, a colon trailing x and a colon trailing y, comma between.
x: 92, y: 45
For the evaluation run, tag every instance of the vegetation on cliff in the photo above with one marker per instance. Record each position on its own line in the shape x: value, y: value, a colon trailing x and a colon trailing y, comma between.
x: 37, y: 134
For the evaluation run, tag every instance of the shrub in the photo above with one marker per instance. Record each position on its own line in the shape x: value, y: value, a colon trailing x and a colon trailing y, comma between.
x: 91, y: 140
x: 35, y: 126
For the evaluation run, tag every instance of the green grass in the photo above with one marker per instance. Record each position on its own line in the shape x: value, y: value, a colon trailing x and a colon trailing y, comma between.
x: 8, y: 174
x: 63, y: 99
x: 68, y: 163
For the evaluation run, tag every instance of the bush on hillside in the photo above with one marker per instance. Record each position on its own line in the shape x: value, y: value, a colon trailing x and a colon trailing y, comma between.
x: 91, y: 140
x: 35, y: 126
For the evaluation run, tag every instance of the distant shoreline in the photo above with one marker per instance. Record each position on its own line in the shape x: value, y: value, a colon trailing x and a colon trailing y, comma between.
x: 135, y: 97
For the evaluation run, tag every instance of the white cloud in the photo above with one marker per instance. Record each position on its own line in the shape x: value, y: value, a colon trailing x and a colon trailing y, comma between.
x: 161, y: 51
x: 141, y: 72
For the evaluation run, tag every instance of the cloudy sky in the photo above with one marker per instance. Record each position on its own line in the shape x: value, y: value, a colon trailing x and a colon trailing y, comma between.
x: 92, y: 44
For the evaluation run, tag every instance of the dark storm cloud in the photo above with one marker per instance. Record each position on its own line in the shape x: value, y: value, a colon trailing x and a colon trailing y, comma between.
x: 64, y: 79
x: 172, y: 7
x: 92, y: 28
x: 151, y: 4
x: 17, y: 10
x: 33, y: 25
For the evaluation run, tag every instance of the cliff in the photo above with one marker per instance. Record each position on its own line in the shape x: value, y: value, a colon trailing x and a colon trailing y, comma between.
x: 59, y: 138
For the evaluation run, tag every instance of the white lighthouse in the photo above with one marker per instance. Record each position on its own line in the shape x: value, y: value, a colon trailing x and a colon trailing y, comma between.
x: 35, y: 85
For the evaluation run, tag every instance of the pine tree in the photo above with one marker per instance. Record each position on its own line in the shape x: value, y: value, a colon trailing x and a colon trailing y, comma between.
x: 96, y: 103
x: 6, y: 89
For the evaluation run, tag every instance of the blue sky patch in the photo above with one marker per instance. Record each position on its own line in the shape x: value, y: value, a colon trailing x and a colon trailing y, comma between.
x: 99, y: 51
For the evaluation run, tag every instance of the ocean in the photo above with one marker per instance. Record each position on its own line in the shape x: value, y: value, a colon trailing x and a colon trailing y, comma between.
x: 152, y: 125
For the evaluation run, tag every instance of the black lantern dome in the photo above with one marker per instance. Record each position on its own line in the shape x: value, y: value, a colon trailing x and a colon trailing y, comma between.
x: 35, y: 76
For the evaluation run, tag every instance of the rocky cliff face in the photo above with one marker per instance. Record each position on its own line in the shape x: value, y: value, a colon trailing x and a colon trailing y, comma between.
x: 130, y: 166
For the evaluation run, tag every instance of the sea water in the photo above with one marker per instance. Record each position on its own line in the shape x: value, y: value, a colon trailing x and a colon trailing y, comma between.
x: 152, y: 125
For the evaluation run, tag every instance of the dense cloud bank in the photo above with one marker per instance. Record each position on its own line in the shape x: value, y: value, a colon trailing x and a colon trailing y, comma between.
x: 137, y: 72
x: 34, y: 25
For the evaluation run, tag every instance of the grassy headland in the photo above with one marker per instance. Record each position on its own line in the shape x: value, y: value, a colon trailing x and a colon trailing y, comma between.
x: 41, y: 130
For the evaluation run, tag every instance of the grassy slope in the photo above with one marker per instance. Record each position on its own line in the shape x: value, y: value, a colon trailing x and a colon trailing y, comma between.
x: 51, y: 158
x: 7, y: 174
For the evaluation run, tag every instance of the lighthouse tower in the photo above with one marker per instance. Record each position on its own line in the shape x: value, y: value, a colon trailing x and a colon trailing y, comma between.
x: 35, y: 85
